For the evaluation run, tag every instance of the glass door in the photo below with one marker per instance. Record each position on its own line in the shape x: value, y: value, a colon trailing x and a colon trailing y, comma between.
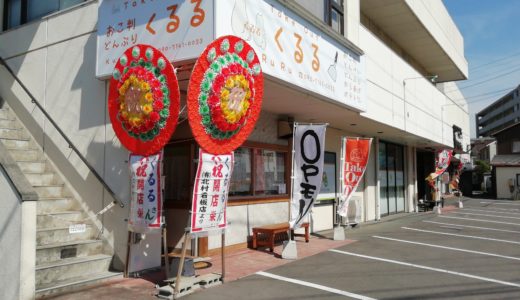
x: 391, y: 178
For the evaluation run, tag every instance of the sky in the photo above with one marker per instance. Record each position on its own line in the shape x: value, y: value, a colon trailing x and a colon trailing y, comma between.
x: 491, y: 32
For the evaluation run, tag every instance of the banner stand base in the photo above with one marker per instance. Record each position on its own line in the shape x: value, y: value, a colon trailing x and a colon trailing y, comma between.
x: 437, y: 210
x: 289, y: 250
x: 339, y: 233
x: 460, y: 204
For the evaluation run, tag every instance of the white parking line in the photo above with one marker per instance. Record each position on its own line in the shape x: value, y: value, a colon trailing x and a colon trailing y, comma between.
x: 476, y: 227
x: 463, y: 235
x: 428, y: 268
x: 479, y: 220
x: 506, y: 209
x: 483, y: 215
x: 448, y: 248
x: 492, y: 211
x: 500, y: 203
x: 313, y: 285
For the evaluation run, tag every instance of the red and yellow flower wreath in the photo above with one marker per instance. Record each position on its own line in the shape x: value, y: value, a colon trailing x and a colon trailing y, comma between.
x: 143, y: 100
x: 225, y: 95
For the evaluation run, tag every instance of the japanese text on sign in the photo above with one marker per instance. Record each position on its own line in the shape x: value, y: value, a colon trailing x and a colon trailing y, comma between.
x: 145, y: 193
x: 179, y: 28
x: 211, y: 192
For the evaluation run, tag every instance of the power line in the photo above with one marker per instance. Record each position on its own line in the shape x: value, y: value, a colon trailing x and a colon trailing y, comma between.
x: 497, y: 60
x: 489, y: 79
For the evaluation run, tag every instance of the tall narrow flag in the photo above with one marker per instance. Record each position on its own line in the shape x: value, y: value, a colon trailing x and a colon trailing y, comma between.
x: 211, y: 191
x: 442, y: 161
x: 308, y: 145
x: 354, y: 155
x: 145, y: 193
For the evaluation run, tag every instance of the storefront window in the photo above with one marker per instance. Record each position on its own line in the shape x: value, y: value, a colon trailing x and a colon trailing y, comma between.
x: 391, y: 178
x: 259, y: 172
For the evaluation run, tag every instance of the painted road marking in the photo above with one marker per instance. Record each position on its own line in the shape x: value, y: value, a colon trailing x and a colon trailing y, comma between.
x: 493, y: 211
x: 506, y: 209
x: 500, y: 203
x: 448, y: 248
x: 483, y: 215
x: 313, y: 285
x: 479, y: 220
x: 428, y: 268
x: 463, y: 235
x: 477, y: 227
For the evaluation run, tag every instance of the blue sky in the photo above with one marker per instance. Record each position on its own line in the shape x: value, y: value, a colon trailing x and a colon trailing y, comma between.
x: 491, y: 31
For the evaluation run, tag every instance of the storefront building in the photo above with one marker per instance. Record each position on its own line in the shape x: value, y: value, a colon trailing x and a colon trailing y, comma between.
x: 383, y: 70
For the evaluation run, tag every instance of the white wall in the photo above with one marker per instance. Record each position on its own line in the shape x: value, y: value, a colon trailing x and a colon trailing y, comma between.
x: 503, y: 175
x: 401, y: 97
x: 10, y: 241
x: 55, y: 58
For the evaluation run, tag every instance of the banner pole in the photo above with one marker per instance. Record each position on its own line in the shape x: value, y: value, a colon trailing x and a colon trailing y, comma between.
x: 223, y: 252
x: 187, y: 237
x: 295, y: 124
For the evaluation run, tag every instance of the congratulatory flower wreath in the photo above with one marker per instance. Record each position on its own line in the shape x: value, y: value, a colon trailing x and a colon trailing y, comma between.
x: 225, y: 95
x: 143, y: 100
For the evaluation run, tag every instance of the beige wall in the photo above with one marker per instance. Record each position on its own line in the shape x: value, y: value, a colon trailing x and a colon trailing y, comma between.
x: 504, y: 174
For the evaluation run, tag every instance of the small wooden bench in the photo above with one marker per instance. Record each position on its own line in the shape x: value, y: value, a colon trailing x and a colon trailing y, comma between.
x: 268, y: 233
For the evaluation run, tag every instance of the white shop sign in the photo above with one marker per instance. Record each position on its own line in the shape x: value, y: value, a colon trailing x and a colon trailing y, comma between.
x: 293, y: 50
x: 181, y: 29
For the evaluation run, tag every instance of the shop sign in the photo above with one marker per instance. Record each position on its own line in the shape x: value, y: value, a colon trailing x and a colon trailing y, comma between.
x: 457, y: 138
x: 355, y: 154
x: 211, y: 190
x: 145, y: 193
x: 180, y: 29
x: 293, y: 50
x: 307, y: 170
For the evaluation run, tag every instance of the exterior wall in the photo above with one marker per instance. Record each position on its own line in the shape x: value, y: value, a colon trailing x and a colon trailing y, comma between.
x: 10, y: 242
x: 503, y: 175
x: 395, y: 90
x: 56, y: 61
x: 506, y: 138
x: 434, y: 16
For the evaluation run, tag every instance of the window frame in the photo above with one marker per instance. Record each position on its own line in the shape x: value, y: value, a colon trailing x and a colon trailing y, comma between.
x: 239, y: 200
x: 331, y: 5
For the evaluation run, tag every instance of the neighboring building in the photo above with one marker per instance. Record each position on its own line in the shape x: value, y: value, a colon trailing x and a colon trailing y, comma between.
x: 484, y: 148
x: 367, y: 69
x: 500, y: 114
x: 506, y: 163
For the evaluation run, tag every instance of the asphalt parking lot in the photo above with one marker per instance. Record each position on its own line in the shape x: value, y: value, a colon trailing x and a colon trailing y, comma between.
x: 468, y: 253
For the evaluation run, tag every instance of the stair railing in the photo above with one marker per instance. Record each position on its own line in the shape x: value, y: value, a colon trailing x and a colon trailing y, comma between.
x: 71, y: 145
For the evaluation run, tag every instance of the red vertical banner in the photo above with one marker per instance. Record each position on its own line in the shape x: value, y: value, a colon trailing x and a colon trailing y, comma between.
x: 354, y: 158
x: 211, y: 190
x: 145, y: 193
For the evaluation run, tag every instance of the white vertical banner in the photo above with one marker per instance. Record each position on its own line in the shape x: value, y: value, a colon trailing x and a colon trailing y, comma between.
x: 211, y: 191
x: 145, y: 193
x: 307, y: 169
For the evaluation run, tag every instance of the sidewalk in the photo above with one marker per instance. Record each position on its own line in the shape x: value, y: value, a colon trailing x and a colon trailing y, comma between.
x: 239, y: 264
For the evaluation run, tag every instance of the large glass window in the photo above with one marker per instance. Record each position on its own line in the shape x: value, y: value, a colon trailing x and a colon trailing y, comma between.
x: 259, y: 171
x: 391, y: 178
x: 17, y: 12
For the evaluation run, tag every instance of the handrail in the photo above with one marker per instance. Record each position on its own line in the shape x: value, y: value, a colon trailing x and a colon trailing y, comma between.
x: 71, y: 145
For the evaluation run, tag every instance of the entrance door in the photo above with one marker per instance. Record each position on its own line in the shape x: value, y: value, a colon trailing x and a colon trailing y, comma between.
x: 391, y: 178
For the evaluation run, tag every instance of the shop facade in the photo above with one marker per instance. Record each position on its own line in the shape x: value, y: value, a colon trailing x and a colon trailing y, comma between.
x: 360, y: 78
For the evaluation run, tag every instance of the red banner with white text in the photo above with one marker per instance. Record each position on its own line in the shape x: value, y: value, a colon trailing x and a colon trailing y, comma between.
x: 354, y: 155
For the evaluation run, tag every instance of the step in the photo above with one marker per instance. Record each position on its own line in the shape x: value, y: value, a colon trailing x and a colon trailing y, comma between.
x: 41, y: 178
x: 5, y: 114
x: 13, y: 134
x: 46, y: 236
x: 26, y: 154
x: 33, y: 166
x: 60, y: 219
x: 72, y: 284
x: 55, y: 252
x: 47, y: 205
x: 64, y: 269
x: 5, y: 123
x: 18, y: 144
x: 49, y: 190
